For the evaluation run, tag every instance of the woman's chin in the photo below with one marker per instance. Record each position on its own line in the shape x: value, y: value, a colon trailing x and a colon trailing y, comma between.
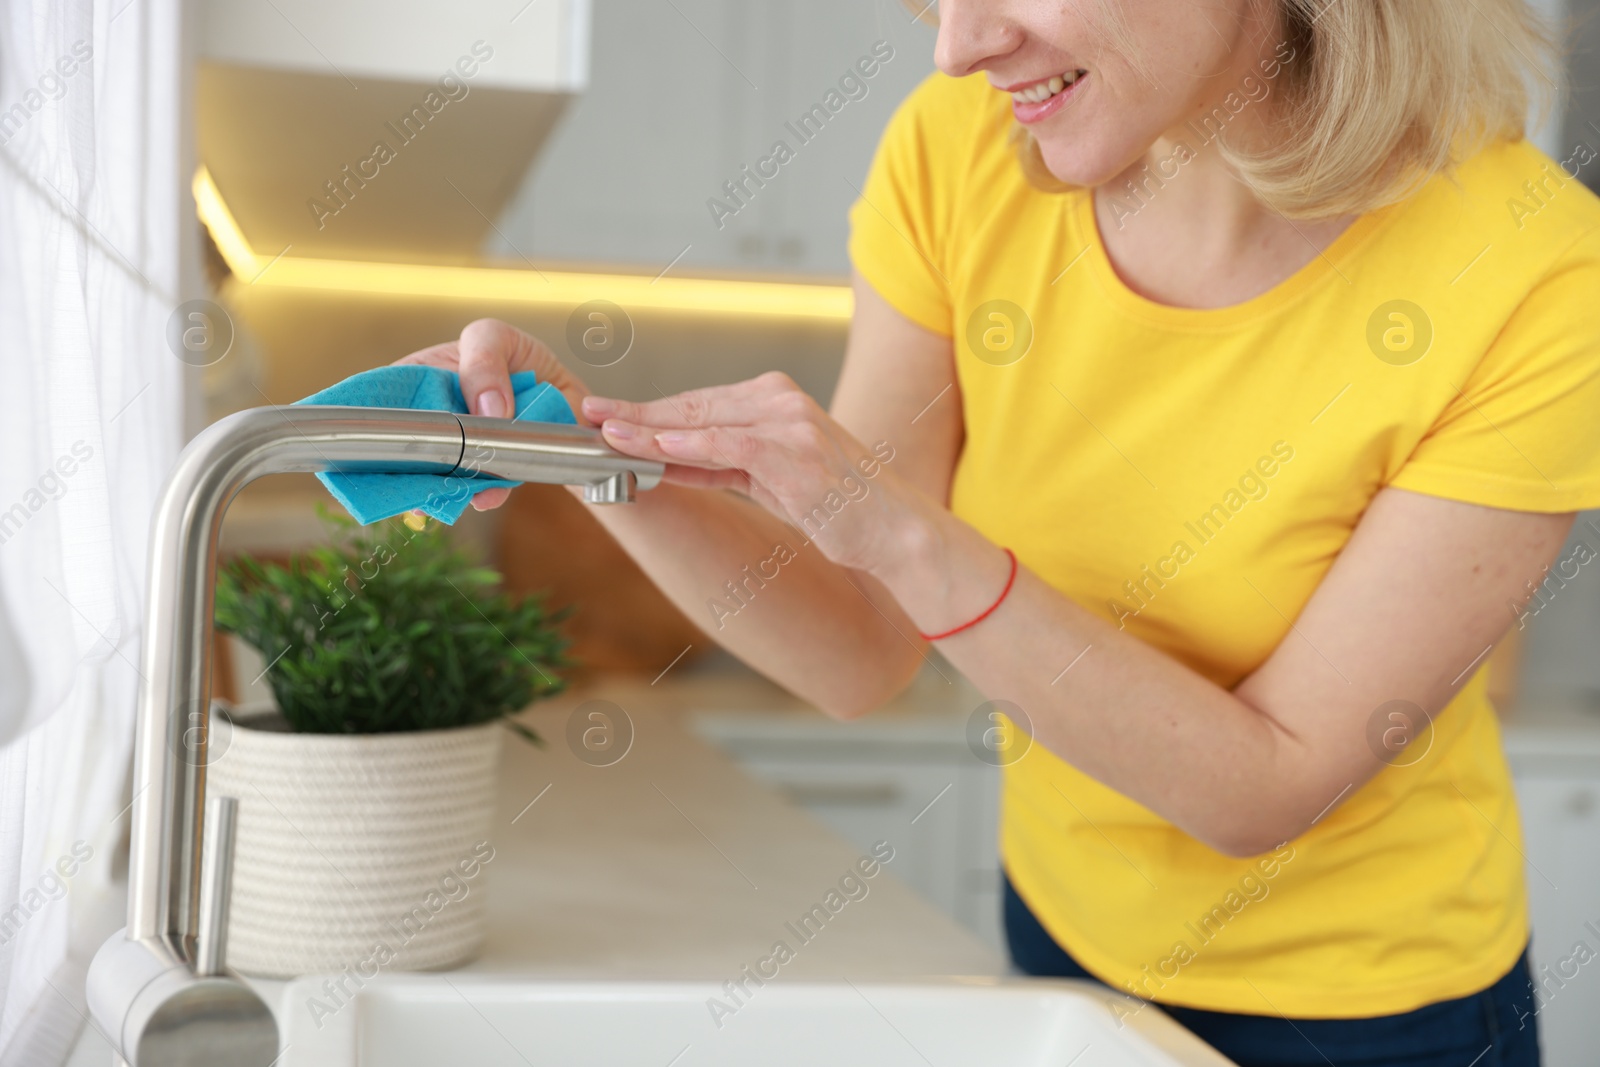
x: 1076, y: 166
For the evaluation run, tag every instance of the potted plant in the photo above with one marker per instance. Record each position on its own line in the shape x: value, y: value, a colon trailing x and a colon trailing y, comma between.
x: 366, y: 793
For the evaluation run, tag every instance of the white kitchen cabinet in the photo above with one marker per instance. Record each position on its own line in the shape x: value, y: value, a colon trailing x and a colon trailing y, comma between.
x: 904, y: 776
x: 541, y: 47
x: 939, y: 814
x: 1554, y: 749
x: 681, y: 96
x: 873, y: 780
x: 379, y: 129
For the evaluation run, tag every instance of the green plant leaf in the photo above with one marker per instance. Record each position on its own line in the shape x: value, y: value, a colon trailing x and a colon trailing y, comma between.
x: 386, y: 629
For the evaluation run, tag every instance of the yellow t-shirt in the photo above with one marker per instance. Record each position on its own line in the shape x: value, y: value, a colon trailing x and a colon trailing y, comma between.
x: 1191, y: 475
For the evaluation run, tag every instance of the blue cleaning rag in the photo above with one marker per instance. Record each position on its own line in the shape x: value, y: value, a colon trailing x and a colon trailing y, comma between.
x: 370, y: 497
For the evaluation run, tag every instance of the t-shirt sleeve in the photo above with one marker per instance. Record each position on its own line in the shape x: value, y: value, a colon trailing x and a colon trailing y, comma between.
x: 899, y: 226
x: 1523, y: 431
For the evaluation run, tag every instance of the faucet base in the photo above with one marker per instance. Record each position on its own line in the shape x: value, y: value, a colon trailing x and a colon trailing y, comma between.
x: 146, y: 992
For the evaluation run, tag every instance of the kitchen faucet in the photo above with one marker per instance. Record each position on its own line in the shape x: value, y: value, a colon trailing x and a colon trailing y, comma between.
x: 159, y: 990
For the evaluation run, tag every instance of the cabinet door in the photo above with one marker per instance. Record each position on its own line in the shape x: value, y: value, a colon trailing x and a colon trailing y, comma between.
x: 625, y: 176
x: 938, y: 816
x: 978, y: 902
x: 814, y: 57
x: 683, y: 97
x: 1561, y: 816
x: 893, y: 802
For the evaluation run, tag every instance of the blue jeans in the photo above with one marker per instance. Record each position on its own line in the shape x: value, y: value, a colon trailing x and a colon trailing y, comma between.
x: 1494, y: 1028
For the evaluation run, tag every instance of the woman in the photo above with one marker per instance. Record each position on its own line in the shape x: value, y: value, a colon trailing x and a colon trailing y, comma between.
x: 1222, y: 380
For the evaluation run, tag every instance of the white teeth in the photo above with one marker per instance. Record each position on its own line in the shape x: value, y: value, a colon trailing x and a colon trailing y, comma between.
x: 1037, y: 94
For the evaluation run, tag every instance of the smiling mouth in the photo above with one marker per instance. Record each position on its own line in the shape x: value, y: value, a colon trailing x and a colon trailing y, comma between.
x: 1040, y: 91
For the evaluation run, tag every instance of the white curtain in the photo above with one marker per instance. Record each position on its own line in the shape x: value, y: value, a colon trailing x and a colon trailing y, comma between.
x: 93, y: 215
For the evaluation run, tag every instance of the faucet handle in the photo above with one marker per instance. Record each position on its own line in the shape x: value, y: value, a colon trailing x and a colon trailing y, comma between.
x: 216, y: 886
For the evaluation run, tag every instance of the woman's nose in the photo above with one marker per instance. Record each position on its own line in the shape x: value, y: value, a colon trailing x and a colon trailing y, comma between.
x: 972, y: 35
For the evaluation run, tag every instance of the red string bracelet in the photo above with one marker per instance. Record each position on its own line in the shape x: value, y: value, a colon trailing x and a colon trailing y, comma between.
x: 1010, y: 581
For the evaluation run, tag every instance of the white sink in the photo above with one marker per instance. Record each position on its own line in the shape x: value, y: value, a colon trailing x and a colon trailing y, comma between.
x: 434, y: 1020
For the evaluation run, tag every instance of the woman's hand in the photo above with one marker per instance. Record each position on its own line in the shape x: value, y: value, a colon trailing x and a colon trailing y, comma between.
x: 486, y: 356
x: 767, y: 439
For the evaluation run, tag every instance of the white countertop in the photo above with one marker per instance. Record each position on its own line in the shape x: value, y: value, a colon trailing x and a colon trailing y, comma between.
x: 671, y: 863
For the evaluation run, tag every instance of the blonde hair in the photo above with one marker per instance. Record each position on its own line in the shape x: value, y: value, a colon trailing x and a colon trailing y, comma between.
x: 1380, y: 96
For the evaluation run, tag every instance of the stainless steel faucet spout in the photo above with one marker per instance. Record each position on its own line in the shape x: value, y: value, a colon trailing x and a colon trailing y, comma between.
x: 144, y: 988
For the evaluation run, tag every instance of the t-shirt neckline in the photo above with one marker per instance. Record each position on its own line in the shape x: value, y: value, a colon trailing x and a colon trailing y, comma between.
x: 1329, y: 264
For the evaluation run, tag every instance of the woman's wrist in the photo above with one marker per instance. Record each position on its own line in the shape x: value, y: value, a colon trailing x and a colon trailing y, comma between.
x: 913, y: 548
x: 941, y: 571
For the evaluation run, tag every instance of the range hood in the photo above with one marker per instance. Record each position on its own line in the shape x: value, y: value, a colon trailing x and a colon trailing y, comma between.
x: 380, y: 129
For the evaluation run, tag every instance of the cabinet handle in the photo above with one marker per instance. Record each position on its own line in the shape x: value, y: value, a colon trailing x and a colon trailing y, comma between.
x: 846, y: 794
x: 1580, y: 803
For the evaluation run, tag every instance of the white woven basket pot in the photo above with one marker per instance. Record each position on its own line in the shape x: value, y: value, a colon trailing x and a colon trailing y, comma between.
x: 360, y: 851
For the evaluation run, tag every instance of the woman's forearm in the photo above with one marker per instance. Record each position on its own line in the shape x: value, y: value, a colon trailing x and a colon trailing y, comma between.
x: 1408, y: 608
x: 759, y: 589
x: 1406, y: 614
x: 1117, y: 709
x: 1127, y: 714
